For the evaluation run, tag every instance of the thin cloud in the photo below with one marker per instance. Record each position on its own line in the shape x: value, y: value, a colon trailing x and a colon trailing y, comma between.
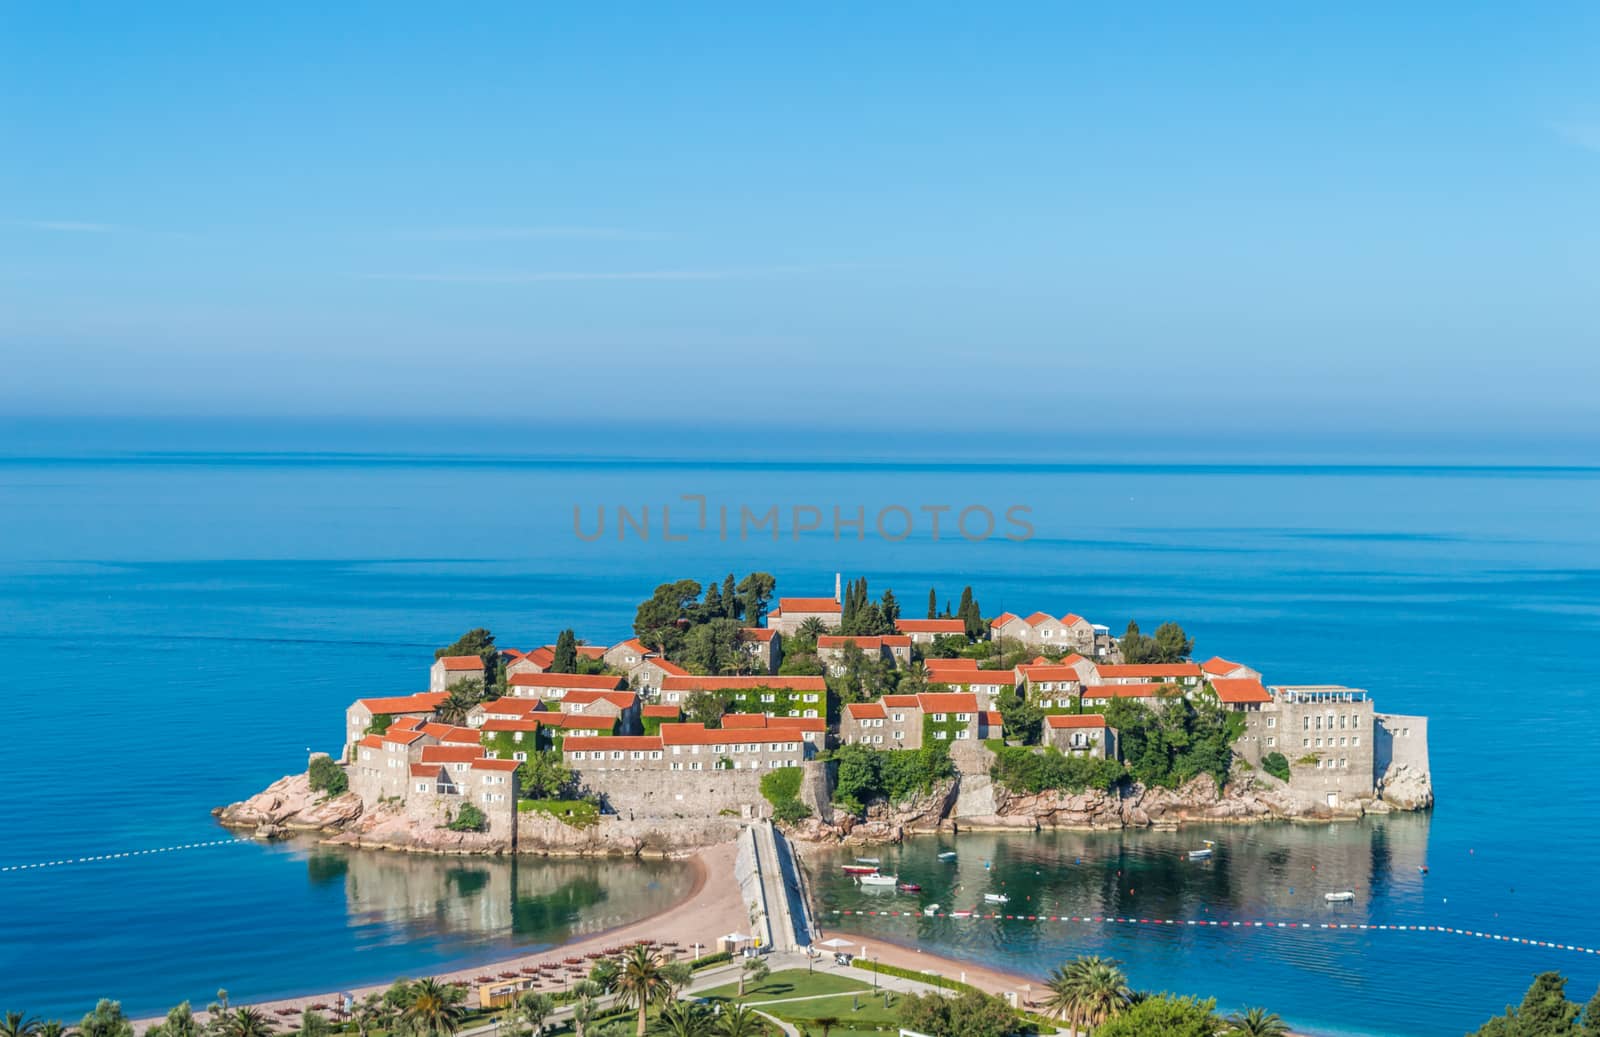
x: 528, y: 234
x: 543, y: 276
x: 1584, y: 135
x: 68, y: 226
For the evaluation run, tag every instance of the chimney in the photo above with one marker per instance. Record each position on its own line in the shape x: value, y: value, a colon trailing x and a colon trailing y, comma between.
x: 837, y: 587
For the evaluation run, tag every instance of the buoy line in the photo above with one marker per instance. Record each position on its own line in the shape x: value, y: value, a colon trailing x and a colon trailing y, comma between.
x: 1205, y: 923
x: 123, y: 855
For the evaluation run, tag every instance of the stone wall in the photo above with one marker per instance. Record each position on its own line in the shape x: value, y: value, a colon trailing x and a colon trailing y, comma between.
x: 672, y: 794
x: 1400, y: 754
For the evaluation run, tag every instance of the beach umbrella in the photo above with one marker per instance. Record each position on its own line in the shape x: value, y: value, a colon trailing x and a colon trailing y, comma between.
x: 836, y: 943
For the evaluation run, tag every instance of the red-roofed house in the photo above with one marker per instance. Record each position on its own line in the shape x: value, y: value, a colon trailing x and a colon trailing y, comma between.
x: 792, y: 613
x: 556, y: 685
x: 791, y: 696
x: 1049, y: 685
x: 909, y: 721
x: 1187, y: 674
x: 895, y: 648
x: 1240, y: 694
x: 622, y: 706
x: 986, y: 684
x: 537, y: 661
x: 625, y: 655
x: 450, y: 669
x: 812, y: 730
x: 764, y: 644
x: 1217, y: 666
x: 1087, y: 734
x: 927, y: 631
x: 359, y: 718
x: 939, y: 666
x: 1043, y: 630
x: 646, y: 677
x: 1151, y: 693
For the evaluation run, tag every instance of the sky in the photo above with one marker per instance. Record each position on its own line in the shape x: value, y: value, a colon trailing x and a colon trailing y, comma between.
x: 1245, y: 224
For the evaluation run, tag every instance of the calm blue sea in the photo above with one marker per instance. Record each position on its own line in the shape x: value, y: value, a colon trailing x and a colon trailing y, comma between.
x: 178, y: 629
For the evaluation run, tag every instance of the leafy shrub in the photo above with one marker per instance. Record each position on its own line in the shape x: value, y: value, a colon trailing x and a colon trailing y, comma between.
x: 867, y: 774
x: 468, y: 819
x: 327, y: 776
x: 1277, y: 765
x: 1030, y: 770
x: 790, y: 811
x: 782, y: 789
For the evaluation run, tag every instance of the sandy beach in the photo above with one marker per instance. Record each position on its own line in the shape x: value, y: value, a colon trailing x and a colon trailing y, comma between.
x: 713, y: 907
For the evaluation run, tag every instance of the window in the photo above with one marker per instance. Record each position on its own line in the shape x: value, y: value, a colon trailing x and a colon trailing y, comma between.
x: 941, y: 735
x: 1319, y: 723
x: 694, y: 765
x: 655, y: 754
x: 1343, y: 741
x: 811, y: 713
x: 938, y: 718
x: 1271, y: 741
x: 964, y: 733
x: 1305, y: 743
x: 899, y: 736
x: 577, y: 754
x: 723, y: 748
x: 1344, y: 763
x: 1319, y: 743
x: 1305, y: 723
x: 897, y: 717
x: 636, y: 755
x: 963, y: 717
x: 616, y: 754
x: 1272, y: 721
x: 520, y: 757
x: 422, y: 786
x: 878, y: 739
x: 1355, y: 740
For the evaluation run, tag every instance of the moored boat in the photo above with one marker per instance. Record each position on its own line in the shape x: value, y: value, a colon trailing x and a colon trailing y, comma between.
x: 908, y: 887
x: 997, y: 898
x: 1203, y: 854
x: 1343, y: 896
x: 876, y: 879
x: 947, y: 855
x: 931, y: 910
x: 860, y: 869
x: 874, y: 861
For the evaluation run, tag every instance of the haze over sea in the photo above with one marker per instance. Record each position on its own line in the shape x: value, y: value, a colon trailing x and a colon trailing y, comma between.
x: 179, y: 628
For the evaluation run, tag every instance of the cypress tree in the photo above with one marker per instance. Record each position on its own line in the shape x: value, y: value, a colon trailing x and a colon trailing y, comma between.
x: 566, y: 660
x: 933, y: 604
x: 730, y: 599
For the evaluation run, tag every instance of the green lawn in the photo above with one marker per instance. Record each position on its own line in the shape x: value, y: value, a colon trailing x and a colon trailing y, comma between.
x: 576, y: 813
x: 791, y: 983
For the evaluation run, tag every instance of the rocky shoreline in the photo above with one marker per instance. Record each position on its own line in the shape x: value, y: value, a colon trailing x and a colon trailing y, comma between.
x: 971, y: 802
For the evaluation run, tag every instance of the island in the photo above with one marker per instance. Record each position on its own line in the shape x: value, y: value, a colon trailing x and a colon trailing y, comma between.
x: 838, y: 718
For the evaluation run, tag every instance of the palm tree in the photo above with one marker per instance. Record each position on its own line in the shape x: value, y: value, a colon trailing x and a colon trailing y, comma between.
x: 55, y: 1028
x: 739, y: 1021
x: 180, y: 1022
x: 680, y: 1019
x: 753, y: 969
x: 640, y: 981
x: 16, y: 1024
x: 1257, y: 1022
x: 604, y: 974
x: 243, y: 1022
x: 456, y: 704
x: 534, y: 1009
x: 1087, y: 991
x: 370, y: 1013
x: 812, y: 629
x: 435, y: 1009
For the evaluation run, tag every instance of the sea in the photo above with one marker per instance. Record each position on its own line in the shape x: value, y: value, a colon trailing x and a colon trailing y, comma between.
x: 182, y: 622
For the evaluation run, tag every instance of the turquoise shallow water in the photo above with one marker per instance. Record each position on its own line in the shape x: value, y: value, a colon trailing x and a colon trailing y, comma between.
x: 179, y: 630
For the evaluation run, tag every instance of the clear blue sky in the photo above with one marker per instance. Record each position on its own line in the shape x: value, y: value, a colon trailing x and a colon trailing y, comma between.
x: 1270, y: 221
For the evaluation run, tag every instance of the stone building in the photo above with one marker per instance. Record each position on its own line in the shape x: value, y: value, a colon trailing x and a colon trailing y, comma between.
x: 927, y: 631
x: 1327, y: 734
x: 1218, y: 667
x: 1085, y: 734
x: 1042, y: 630
x: 893, y: 648
x: 986, y: 685
x: 686, y: 769
x: 625, y: 655
x: 554, y: 686
x: 910, y: 721
x: 622, y: 706
x: 792, y: 613
x: 1186, y: 674
x: 361, y: 714
x: 1049, y: 685
x: 775, y: 695
x: 813, y: 731
x: 764, y: 645
x: 450, y: 669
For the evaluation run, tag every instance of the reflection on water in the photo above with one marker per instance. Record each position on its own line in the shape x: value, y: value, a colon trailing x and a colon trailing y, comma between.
x: 400, y: 898
x: 1325, y: 982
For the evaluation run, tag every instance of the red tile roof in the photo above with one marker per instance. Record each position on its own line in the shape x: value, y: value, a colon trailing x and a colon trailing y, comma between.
x: 451, y: 753
x: 424, y: 770
x: 930, y: 626
x: 1155, y: 670
x: 407, y: 723
x: 962, y: 663
x: 900, y: 701
x: 371, y: 741
x: 1063, y: 720
x: 585, y: 721
x: 422, y: 703
x: 460, y: 736
x: 1002, y: 619
x: 1240, y: 690
x: 1219, y: 666
x: 696, y: 734
x: 967, y: 678
x: 744, y: 683
x: 1074, y: 658
x: 662, y: 711
x: 541, y: 657
x: 529, y: 723
x: 1072, y: 619
x: 624, y: 743
x: 867, y: 710
x: 494, y: 765
x: 633, y: 644
x: 462, y: 662
x: 992, y: 718
x: 948, y: 702
x: 808, y: 605
x: 623, y: 700
x: 757, y: 633
x: 588, y: 681
x: 403, y: 737
x: 762, y: 722
x: 1049, y: 672
x: 1124, y: 691
x: 668, y: 667
x: 1039, y: 617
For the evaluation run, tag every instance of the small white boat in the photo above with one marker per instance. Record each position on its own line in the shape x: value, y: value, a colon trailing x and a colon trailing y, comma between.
x: 948, y: 855
x: 997, y: 898
x: 1204, y: 854
x: 879, y: 880
x: 931, y: 910
x: 1344, y: 896
x: 868, y: 860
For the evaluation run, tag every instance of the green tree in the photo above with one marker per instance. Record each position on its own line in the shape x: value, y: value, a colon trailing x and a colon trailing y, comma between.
x: 713, y: 647
x: 681, y: 1019
x: 1164, y: 1016
x: 739, y: 1021
x: 1257, y: 1022
x: 970, y: 614
x: 1276, y: 764
x: 640, y: 981
x: 602, y: 978
x: 543, y: 776
x: 459, y: 699
x: 1591, y: 1017
x: 656, y: 621
x: 1171, y: 644
x: 313, y: 1024
x: 1087, y: 991
x: 434, y: 1009
x: 371, y: 1013
x: 107, y: 1020
x: 1544, y: 1012
x: 1021, y: 719
x: 731, y: 604
x: 1137, y: 650
x: 180, y: 1022
x: 971, y: 1013
x: 56, y: 1028
x: 712, y: 607
x: 15, y: 1024
x: 239, y: 1022
x: 477, y: 641
x: 566, y: 652
x: 468, y: 819
x: 327, y: 776
x: 755, y: 592
x: 707, y: 707
x: 933, y: 604
x: 533, y: 1009
x: 754, y: 970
